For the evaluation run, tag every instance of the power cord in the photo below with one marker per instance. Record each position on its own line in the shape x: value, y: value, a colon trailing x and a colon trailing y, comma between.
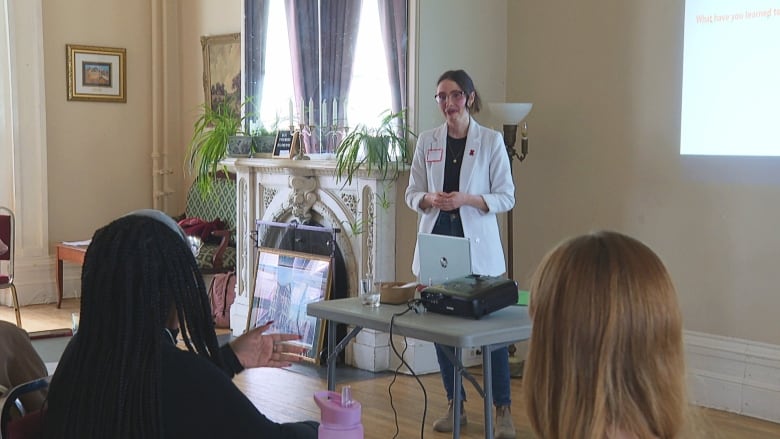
x: 416, y: 306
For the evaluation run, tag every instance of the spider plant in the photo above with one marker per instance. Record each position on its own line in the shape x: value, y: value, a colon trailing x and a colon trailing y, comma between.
x: 382, y: 149
x: 210, y: 137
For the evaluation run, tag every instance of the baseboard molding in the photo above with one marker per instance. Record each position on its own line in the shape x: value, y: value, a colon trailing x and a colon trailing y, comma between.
x: 734, y: 375
x: 35, y: 283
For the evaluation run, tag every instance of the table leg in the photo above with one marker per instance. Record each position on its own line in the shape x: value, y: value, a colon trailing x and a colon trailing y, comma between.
x: 334, y: 350
x: 59, y: 280
x: 456, y: 397
x: 487, y: 382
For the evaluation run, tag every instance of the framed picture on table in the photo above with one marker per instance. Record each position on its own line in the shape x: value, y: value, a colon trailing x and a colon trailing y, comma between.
x: 285, y: 282
x: 96, y: 73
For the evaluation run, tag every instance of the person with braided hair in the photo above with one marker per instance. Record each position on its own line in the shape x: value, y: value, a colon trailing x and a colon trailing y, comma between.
x: 122, y: 375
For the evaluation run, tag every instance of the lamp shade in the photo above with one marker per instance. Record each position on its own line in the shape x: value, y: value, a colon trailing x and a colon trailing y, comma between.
x: 509, y: 113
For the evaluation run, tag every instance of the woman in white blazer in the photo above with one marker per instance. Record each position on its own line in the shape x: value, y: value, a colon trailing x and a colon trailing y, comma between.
x: 459, y: 181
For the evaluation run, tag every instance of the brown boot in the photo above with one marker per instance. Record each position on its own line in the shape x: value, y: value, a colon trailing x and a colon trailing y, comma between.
x: 444, y: 424
x: 503, y: 428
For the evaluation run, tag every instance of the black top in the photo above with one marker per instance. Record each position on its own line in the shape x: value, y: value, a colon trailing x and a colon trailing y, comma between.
x: 455, y: 152
x: 199, y: 400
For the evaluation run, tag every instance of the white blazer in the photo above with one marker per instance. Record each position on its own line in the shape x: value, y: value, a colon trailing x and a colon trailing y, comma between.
x: 485, y: 171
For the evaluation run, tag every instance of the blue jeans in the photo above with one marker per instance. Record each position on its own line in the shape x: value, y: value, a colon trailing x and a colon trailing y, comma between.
x: 499, y: 370
x: 448, y: 224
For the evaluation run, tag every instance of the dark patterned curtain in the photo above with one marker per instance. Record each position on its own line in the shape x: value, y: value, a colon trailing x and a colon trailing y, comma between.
x: 256, y: 25
x: 392, y: 20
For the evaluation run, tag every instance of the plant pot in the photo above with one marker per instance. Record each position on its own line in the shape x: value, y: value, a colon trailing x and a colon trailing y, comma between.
x: 239, y: 146
x: 264, y: 144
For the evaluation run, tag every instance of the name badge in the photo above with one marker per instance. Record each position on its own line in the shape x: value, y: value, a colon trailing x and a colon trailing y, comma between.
x: 434, y: 155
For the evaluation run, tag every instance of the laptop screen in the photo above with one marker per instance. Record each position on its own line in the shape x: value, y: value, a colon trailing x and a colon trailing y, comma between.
x: 443, y: 258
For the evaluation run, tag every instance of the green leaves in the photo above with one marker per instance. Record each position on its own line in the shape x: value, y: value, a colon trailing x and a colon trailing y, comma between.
x: 383, y: 149
x: 208, y: 145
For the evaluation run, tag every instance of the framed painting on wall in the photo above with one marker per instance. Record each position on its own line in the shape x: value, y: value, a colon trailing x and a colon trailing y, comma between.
x: 222, y: 70
x: 285, y: 282
x: 96, y: 73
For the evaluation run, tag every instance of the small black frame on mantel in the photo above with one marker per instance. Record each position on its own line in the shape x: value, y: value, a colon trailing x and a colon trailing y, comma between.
x: 283, y: 143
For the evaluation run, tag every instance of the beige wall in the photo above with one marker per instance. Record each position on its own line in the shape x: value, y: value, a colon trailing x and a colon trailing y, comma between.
x: 98, y: 153
x: 605, y: 79
x: 605, y: 82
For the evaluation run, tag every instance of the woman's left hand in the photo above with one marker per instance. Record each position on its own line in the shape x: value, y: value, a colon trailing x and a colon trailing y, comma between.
x: 255, y: 349
x: 450, y: 200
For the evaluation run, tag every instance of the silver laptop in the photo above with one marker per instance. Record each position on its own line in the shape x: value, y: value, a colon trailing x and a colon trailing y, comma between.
x: 443, y: 258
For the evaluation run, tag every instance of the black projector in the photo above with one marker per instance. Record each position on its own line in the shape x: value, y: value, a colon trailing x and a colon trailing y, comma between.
x: 472, y: 296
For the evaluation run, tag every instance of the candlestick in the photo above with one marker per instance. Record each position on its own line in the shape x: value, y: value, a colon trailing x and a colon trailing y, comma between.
x: 324, y: 114
x: 291, y: 112
x: 301, y: 114
x: 335, y: 112
x: 311, y: 111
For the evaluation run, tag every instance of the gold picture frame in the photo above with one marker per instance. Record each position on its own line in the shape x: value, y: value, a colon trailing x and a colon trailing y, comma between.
x: 96, y: 73
x: 222, y: 69
x: 285, y: 283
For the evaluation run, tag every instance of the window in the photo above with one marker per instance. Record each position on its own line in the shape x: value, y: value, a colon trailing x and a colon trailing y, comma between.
x: 369, y: 94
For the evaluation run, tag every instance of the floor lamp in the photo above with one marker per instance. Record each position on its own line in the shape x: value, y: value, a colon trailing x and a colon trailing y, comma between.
x: 511, y: 115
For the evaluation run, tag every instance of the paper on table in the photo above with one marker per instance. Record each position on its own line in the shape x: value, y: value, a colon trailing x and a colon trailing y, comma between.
x: 78, y: 243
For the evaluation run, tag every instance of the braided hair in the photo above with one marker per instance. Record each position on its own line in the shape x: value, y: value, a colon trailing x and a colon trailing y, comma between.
x: 137, y: 271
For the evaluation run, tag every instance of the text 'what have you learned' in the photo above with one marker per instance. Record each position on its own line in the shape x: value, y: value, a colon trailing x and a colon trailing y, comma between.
x: 738, y: 16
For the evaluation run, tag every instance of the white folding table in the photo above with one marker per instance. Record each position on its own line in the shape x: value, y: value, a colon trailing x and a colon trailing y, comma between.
x: 493, y: 331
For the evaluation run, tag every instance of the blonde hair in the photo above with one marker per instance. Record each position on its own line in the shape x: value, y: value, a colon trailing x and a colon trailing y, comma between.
x: 606, y: 350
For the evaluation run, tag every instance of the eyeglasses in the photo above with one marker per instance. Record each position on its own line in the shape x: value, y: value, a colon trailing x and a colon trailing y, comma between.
x: 454, y: 96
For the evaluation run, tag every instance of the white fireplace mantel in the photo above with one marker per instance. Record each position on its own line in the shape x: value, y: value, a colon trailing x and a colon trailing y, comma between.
x: 280, y: 190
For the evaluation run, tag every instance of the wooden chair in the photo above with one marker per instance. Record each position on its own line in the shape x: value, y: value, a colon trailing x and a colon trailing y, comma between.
x: 7, y: 236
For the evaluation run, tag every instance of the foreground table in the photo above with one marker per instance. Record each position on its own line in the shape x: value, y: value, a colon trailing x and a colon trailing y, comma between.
x: 70, y: 253
x: 493, y: 331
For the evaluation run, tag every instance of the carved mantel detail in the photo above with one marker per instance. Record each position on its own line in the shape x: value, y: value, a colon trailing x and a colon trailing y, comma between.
x: 281, y: 190
x: 303, y: 196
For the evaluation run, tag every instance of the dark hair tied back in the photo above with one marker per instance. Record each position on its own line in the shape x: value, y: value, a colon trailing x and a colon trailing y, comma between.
x: 466, y: 84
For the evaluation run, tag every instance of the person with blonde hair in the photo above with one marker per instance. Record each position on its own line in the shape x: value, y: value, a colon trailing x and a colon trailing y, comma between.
x: 605, y: 358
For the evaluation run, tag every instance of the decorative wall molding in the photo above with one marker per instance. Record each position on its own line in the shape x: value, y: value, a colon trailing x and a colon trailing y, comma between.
x: 734, y: 375
x: 23, y: 176
x: 34, y: 280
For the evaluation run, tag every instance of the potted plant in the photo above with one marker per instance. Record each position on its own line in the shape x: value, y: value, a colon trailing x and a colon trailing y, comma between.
x: 218, y: 133
x: 264, y: 137
x: 382, y: 149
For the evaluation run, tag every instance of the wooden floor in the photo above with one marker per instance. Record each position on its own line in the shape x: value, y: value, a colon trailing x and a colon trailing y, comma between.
x: 285, y: 395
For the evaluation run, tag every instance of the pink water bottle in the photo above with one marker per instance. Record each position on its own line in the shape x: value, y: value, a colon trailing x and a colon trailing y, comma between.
x: 340, y: 415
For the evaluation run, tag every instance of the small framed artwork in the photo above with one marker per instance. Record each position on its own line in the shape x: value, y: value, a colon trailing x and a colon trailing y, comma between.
x: 222, y: 70
x: 285, y: 282
x: 96, y: 73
